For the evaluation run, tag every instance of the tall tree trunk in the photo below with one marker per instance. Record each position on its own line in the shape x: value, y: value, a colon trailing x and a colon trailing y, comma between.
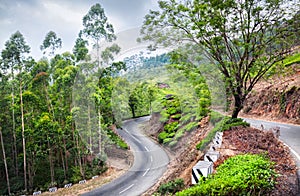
x: 63, y: 163
x: 4, y: 159
x: 15, y: 153
x: 30, y: 168
x: 90, y: 130
x: 66, y: 157
x: 99, y: 132
x: 51, y: 164
x: 79, y: 157
x: 23, y: 136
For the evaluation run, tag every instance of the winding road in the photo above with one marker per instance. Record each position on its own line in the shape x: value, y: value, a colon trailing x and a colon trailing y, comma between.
x: 150, y: 162
x: 289, y: 134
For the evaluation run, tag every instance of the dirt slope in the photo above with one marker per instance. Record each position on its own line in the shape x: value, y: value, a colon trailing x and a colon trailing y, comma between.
x: 277, y: 99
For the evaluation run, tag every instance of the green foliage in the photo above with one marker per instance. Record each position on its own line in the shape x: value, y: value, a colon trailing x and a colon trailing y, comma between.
x: 176, y: 116
x: 163, y: 135
x: 171, y: 127
x: 167, y: 140
x: 239, y: 175
x: 290, y: 60
x: 117, y: 140
x: 76, y: 174
x: 227, y: 33
x: 51, y: 42
x: 225, y: 124
x: 191, y: 126
x: 215, y: 117
x: 96, y: 24
x: 164, y: 116
x: 171, y: 187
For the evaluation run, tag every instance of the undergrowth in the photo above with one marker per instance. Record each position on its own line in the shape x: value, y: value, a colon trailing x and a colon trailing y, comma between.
x: 225, y: 124
x: 239, y: 175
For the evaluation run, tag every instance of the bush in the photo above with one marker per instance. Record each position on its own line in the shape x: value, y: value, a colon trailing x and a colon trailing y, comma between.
x: 171, y: 187
x: 176, y: 116
x: 116, y: 139
x: 164, y: 116
x: 191, y: 126
x: 163, y: 135
x: 172, y: 110
x: 179, y: 133
x: 239, y: 175
x: 167, y: 140
x: 171, y: 127
x: 221, y: 126
x: 186, y: 118
x: 173, y: 143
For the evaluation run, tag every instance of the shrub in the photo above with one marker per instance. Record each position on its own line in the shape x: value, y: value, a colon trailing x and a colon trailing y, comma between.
x: 176, y: 116
x: 116, y: 139
x: 171, y: 187
x: 164, y: 116
x: 221, y: 126
x: 172, y: 110
x: 167, y: 140
x: 163, y: 135
x: 173, y: 143
x: 239, y: 175
x: 76, y: 176
x: 186, y: 118
x: 171, y: 127
x: 179, y: 133
x: 191, y: 126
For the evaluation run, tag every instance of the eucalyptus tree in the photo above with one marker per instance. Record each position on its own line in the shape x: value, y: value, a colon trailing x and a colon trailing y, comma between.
x: 14, y: 55
x: 4, y: 160
x: 80, y: 49
x: 97, y: 28
x: 4, y: 116
x: 244, y: 38
x: 51, y: 43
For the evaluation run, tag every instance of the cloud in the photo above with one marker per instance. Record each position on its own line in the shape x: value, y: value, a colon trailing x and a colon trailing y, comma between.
x: 35, y: 18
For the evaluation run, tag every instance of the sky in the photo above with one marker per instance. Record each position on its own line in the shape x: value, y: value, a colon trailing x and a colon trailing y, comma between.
x: 35, y: 18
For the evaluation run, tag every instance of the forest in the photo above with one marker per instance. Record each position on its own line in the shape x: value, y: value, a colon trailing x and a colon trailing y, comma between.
x: 58, y: 113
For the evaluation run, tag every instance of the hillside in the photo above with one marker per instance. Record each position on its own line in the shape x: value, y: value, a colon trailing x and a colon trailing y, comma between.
x: 276, y: 99
x: 237, y: 140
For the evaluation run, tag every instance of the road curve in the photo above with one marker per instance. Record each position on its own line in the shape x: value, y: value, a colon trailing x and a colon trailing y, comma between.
x: 150, y: 162
x: 289, y: 134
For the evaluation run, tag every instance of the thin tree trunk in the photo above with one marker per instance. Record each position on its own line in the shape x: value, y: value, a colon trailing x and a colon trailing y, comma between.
x: 15, y: 153
x: 99, y: 132
x: 66, y: 157
x: 79, y: 157
x: 23, y: 137
x: 63, y: 163
x: 5, y: 164
x: 90, y: 130
x: 51, y: 163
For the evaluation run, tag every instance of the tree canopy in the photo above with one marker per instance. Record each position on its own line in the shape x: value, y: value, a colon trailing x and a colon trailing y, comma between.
x: 51, y: 43
x: 243, y: 38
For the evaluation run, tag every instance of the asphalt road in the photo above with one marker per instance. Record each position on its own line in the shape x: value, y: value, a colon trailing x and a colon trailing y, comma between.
x: 150, y: 162
x: 289, y: 134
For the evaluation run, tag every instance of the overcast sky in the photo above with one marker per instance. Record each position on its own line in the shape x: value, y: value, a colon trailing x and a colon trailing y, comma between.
x: 35, y: 18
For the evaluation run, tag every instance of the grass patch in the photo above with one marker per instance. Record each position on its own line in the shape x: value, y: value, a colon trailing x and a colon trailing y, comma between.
x: 239, y: 175
x: 291, y: 60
